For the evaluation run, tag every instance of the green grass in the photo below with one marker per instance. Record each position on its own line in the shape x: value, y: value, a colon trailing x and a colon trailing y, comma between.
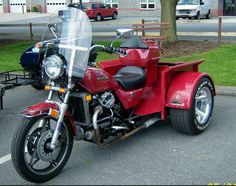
x: 220, y: 63
x: 10, y: 55
x: 102, y: 56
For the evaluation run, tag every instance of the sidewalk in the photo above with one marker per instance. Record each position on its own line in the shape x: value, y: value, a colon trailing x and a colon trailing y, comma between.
x: 226, y: 90
x: 11, y: 18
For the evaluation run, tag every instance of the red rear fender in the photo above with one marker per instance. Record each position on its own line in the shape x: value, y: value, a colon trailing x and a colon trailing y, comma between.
x: 181, y: 89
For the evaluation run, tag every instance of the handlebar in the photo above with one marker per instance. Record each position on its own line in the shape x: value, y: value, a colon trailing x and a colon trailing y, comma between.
x: 106, y: 49
x: 115, y: 50
x: 109, y: 49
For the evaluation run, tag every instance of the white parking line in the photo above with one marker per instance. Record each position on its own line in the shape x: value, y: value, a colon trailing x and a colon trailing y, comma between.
x: 5, y: 159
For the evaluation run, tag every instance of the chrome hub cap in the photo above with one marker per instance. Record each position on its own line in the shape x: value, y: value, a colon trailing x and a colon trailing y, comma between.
x: 203, y: 105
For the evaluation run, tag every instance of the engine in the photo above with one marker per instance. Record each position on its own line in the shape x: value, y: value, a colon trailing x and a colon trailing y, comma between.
x: 110, y: 121
x: 107, y: 100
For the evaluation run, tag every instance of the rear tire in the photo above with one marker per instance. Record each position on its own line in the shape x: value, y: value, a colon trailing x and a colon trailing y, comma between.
x: 31, y: 155
x: 114, y: 15
x: 196, y: 119
x: 208, y: 16
x: 197, y: 16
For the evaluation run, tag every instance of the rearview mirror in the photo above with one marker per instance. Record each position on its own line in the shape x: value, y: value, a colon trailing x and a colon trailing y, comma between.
x: 53, y: 27
x: 124, y: 33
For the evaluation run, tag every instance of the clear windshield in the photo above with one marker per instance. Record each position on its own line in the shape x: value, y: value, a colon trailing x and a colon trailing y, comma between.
x: 74, y: 33
x: 188, y: 2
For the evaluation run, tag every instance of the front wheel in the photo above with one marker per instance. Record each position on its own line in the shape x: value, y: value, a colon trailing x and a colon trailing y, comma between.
x: 98, y: 17
x: 196, y: 119
x: 31, y: 154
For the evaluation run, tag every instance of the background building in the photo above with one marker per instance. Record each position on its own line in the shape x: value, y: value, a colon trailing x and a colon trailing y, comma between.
x: 126, y: 7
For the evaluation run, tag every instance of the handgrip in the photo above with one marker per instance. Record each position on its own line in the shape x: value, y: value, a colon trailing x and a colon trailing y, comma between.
x: 116, y: 50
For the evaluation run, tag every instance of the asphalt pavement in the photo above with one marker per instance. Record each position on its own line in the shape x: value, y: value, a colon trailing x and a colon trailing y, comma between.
x: 157, y: 155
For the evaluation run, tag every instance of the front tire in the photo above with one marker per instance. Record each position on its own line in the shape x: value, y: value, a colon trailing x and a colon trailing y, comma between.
x: 31, y: 154
x: 196, y: 119
x: 98, y: 17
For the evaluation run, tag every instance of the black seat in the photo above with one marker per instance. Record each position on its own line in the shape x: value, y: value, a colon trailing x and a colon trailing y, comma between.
x: 131, y: 77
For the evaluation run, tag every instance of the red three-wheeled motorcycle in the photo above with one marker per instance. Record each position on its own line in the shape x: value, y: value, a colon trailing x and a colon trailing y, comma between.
x: 107, y: 103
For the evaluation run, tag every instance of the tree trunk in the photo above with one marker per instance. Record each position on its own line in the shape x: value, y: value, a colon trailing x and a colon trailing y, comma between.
x: 168, y: 14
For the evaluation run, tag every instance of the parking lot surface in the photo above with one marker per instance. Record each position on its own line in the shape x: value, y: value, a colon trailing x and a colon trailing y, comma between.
x: 157, y: 155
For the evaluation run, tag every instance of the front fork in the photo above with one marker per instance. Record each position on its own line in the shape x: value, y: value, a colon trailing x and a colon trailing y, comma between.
x: 63, y: 108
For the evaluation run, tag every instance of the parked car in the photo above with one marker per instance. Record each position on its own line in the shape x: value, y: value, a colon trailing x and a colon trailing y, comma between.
x: 193, y: 9
x: 97, y: 10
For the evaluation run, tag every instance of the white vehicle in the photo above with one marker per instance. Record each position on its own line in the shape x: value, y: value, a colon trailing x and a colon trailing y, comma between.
x: 193, y: 9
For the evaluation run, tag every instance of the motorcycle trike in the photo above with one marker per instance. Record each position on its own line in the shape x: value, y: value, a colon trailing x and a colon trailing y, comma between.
x: 106, y: 102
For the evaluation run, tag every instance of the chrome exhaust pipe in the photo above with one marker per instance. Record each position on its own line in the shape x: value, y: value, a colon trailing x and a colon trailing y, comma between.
x: 99, y: 110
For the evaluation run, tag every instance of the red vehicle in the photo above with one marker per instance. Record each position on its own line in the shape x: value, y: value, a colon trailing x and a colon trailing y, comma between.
x: 106, y: 104
x: 97, y: 10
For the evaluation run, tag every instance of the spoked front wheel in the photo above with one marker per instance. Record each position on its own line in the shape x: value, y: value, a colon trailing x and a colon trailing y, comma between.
x: 32, y: 156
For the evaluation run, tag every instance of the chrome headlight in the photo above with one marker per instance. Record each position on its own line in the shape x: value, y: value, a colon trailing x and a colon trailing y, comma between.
x: 53, y: 66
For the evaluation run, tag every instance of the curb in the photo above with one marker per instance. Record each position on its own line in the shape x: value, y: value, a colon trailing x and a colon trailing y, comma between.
x: 226, y: 90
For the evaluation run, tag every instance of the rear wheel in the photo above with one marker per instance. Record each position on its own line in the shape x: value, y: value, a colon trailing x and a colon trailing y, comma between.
x: 98, y: 17
x: 196, y: 119
x: 32, y: 156
x: 197, y: 15
x: 208, y: 16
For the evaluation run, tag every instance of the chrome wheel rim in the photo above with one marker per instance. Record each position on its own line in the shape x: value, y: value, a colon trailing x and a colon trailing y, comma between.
x: 99, y: 18
x: 203, y: 105
x: 37, y: 159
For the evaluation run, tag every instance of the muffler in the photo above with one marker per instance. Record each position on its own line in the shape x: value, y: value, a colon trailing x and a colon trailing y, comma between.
x: 99, y: 110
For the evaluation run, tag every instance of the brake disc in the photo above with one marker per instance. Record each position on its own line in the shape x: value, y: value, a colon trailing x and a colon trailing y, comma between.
x: 44, y: 151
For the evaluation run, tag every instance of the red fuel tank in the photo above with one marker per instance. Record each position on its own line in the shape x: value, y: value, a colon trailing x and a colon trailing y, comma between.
x: 96, y: 81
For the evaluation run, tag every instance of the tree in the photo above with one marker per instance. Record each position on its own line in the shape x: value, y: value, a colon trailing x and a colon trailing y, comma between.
x: 168, y: 14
